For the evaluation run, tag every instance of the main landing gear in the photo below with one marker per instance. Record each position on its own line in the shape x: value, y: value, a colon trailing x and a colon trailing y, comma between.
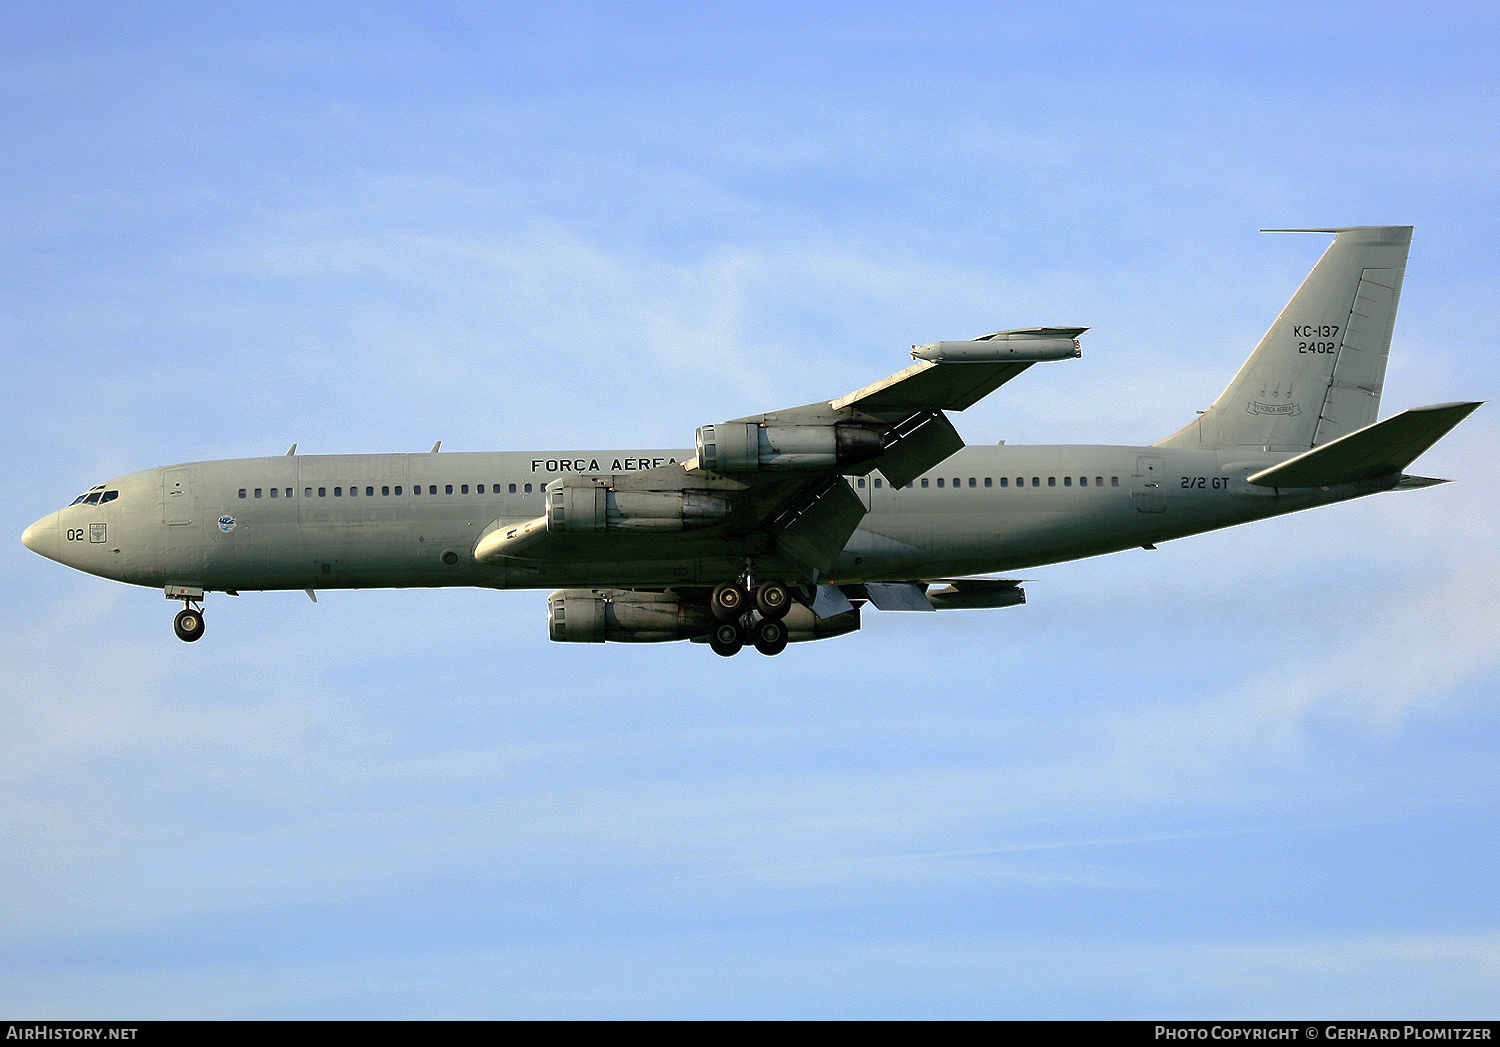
x: 749, y: 613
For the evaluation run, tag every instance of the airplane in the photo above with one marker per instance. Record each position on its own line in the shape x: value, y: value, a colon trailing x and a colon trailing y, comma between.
x: 780, y: 527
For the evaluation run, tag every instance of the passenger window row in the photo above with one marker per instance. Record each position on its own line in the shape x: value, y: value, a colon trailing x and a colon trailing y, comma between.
x: 338, y: 492
x: 1036, y: 481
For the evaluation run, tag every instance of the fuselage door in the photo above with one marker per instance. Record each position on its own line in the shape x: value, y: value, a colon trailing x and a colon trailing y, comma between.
x: 176, y: 497
x: 1150, y: 484
x: 862, y: 486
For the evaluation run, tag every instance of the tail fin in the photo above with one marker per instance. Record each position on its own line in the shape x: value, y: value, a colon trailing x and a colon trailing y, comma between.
x: 1318, y: 372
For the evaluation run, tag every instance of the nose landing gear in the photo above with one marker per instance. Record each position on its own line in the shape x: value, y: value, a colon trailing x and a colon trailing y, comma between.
x: 188, y: 625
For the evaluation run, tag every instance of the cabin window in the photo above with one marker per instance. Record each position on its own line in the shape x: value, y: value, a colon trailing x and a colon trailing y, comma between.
x: 398, y: 490
x: 1036, y: 481
x: 385, y: 491
x: 1098, y: 481
x: 1083, y: 481
x: 972, y: 483
x: 354, y: 492
x: 95, y: 498
x: 940, y: 482
x: 1067, y: 481
x: 464, y: 489
x: 448, y: 489
x: 416, y: 489
x: 860, y: 483
x: 528, y: 488
x: 1004, y: 481
x: 338, y: 492
x: 322, y: 492
x: 369, y: 492
x: 1051, y: 481
x: 307, y: 492
x: 512, y: 488
x: 989, y: 481
x: 275, y: 492
x: 1114, y: 481
x: 877, y: 481
x: 432, y: 489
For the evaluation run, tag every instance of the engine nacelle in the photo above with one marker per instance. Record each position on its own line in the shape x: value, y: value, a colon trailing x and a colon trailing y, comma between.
x: 750, y: 447
x: 623, y: 616
x: 581, y: 510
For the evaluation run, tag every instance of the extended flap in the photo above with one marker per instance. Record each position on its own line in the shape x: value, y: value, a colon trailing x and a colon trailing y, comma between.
x: 815, y: 529
x: 928, y: 441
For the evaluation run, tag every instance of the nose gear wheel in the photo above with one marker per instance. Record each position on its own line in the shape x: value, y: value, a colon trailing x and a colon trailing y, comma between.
x: 188, y: 625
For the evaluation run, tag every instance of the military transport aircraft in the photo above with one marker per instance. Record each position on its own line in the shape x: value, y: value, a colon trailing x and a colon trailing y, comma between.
x: 778, y: 527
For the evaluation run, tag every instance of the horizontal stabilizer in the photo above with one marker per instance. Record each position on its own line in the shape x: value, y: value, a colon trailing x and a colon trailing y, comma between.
x: 1376, y: 450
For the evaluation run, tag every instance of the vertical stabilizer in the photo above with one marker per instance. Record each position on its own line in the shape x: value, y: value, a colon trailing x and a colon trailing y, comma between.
x: 1318, y: 372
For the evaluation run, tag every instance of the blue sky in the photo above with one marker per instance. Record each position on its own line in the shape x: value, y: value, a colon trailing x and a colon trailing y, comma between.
x: 1249, y: 774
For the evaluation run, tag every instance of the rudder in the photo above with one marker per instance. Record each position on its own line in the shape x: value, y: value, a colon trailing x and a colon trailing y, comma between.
x: 1318, y: 372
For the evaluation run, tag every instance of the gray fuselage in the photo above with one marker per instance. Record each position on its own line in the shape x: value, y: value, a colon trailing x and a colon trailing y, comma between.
x: 337, y: 521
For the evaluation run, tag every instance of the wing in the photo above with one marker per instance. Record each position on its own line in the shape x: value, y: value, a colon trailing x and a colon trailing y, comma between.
x: 774, y: 483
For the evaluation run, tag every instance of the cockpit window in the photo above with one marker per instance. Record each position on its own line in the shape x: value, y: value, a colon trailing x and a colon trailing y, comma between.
x: 92, y: 495
x: 108, y: 496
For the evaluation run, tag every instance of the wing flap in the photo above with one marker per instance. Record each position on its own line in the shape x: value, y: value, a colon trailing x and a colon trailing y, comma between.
x: 815, y: 529
x: 918, y: 447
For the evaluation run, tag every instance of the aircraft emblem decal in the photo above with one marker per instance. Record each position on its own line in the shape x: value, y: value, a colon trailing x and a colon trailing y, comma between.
x: 226, y: 524
x: 1256, y: 407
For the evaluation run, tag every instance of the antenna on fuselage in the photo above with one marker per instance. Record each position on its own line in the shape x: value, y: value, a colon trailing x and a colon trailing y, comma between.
x: 291, y: 450
x: 435, y: 447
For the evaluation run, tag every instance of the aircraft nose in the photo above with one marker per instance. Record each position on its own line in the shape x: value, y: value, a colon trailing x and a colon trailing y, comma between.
x: 41, y: 537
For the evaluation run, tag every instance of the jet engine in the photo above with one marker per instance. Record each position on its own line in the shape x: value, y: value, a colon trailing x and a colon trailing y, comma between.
x: 749, y: 447
x: 623, y: 616
x: 633, y: 616
x: 579, y: 510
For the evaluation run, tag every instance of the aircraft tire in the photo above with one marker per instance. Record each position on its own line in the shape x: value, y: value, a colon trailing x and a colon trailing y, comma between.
x: 770, y: 636
x: 726, y: 639
x: 188, y: 625
x: 773, y: 600
x: 728, y: 602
